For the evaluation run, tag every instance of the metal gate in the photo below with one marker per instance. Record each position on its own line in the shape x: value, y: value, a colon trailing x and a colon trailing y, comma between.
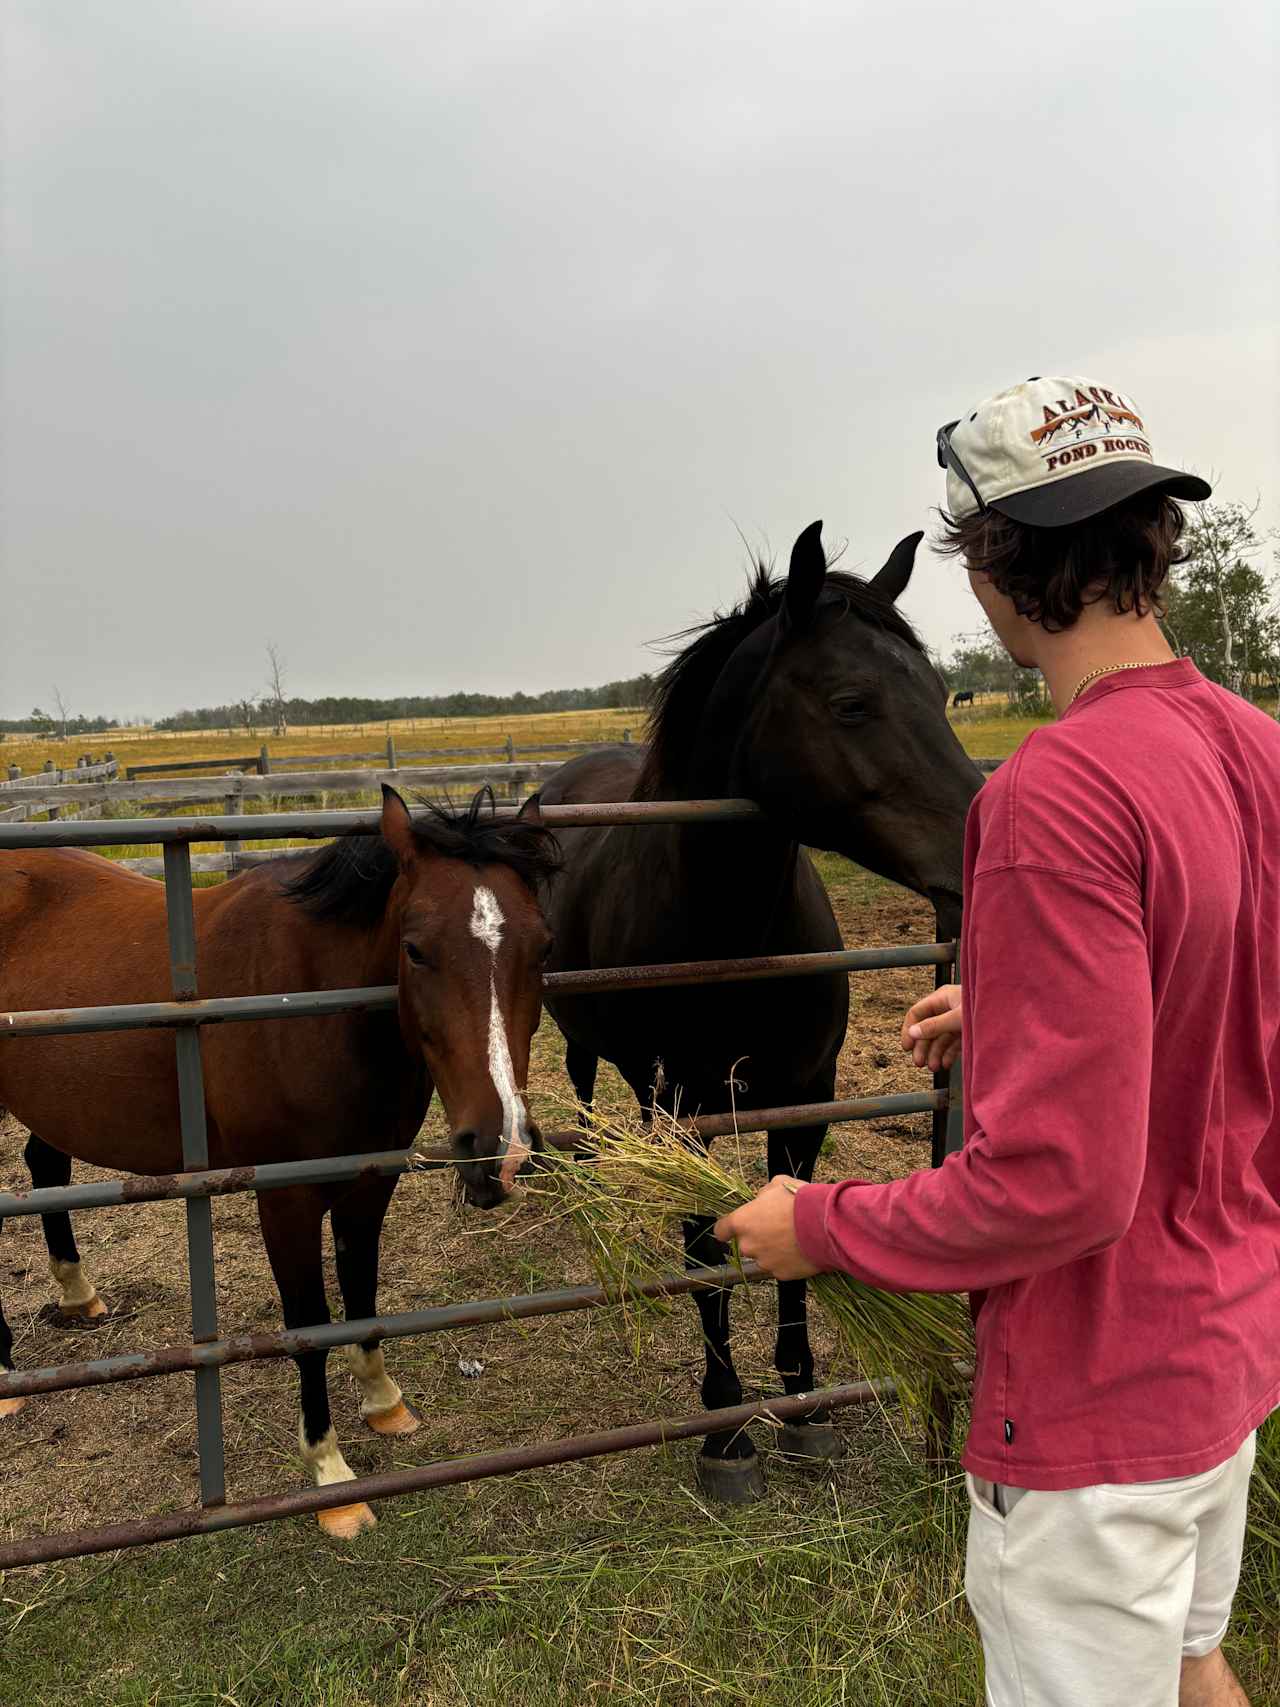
x: 207, y: 1353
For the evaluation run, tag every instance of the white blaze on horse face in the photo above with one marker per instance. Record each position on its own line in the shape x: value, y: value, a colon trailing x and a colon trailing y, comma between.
x: 487, y: 921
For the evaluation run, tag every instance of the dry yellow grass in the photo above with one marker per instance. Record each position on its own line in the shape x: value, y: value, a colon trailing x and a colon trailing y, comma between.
x: 151, y: 746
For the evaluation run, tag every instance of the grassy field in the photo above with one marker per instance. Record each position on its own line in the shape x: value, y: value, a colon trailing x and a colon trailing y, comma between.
x: 152, y: 746
x: 605, y: 1583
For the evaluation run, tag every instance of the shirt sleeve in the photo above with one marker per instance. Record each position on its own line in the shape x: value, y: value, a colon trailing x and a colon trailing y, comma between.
x: 1057, y: 1047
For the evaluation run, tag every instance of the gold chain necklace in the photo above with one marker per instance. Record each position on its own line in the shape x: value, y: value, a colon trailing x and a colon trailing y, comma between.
x: 1109, y: 669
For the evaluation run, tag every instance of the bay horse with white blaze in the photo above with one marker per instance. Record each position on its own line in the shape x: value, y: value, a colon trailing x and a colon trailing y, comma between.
x: 445, y: 907
x: 814, y: 698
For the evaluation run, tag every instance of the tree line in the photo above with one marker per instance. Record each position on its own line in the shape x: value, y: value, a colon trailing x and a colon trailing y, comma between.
x: 279, y: 710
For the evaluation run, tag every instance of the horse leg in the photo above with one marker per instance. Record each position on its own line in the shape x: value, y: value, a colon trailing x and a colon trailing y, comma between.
x: 580, y: 1063
x: 291, y: 1220
x: 728, y: 1468
x: 78, y: 1300
x: 794, y: 1150
x: 8, y: 1407
x: 357, y: 1228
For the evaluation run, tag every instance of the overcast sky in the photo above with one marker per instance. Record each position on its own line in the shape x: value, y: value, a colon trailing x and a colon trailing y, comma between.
x: 448, y: 345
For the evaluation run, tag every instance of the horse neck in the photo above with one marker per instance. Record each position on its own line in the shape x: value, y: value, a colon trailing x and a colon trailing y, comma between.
x: 343, y: 955
x: 740, y: 879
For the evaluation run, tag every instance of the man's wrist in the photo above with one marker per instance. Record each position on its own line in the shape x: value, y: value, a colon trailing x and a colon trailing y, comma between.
x: 811, y: 1202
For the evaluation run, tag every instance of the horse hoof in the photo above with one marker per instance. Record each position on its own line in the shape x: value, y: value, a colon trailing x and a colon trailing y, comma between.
x: 11, y: 1407
x: 731, y: 1481
x: 816, y: 1442
x: 88, y: 1314
x: 345, y: 1522
x: 399, y: 1419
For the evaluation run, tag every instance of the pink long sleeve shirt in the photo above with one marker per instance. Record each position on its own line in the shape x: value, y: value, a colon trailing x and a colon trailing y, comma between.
x: 1116, y: 1206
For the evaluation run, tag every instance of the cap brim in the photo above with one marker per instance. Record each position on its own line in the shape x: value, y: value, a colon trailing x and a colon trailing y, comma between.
x: 1076, y: 497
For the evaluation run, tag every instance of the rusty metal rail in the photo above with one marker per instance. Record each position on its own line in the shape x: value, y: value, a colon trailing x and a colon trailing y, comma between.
x: 325, y: 1170
x: 179, y: 1525
x: 248, y: 1348
x: 197, y: 1183
x: 318, y: 826
x: 144, y: 1016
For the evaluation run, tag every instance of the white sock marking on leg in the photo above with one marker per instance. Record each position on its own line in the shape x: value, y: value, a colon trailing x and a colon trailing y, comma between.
x: 378, y: 1392
x: 76, y: 1286
x: 324, y: 1459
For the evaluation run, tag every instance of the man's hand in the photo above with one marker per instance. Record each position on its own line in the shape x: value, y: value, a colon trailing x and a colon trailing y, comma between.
x: 931, y: 1030
x: 765, y: 1230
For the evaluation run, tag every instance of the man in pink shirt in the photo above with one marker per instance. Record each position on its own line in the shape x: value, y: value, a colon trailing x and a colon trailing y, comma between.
x: 1115, y: 1210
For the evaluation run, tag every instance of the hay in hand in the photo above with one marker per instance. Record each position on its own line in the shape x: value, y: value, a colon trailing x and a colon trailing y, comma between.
x: 630, y: 1194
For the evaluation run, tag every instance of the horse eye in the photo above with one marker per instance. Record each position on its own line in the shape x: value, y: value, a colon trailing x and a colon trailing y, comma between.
x: 414, y: 955
x: 849, y: 709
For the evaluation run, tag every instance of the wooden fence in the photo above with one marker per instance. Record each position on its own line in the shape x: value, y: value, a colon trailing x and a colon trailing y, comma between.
x: 29, y: 793
x: 50, y: 776
x: 265, y: 762
x: 230, y: 792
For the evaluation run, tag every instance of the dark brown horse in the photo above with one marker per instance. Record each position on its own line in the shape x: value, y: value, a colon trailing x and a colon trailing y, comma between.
x: 814, y: 698
x: 445, y: 907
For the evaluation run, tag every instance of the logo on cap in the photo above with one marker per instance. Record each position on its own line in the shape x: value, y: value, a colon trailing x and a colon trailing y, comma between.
x: 1097, y: 418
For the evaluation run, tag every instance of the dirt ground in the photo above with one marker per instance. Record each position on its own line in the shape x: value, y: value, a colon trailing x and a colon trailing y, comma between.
x: 100, y: 1454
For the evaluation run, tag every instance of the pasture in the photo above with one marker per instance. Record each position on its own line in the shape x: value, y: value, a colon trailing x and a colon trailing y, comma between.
x: 145, y: 746
x: 608, y: 1580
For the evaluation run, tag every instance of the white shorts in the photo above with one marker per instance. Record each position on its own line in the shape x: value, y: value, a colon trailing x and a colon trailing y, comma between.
x: 1093, y: 1597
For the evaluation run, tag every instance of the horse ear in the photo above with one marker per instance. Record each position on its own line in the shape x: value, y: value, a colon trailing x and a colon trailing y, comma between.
x: 397, y: 827
x: 892, y: 580
x: 531, y: 811
x: 805, y: 577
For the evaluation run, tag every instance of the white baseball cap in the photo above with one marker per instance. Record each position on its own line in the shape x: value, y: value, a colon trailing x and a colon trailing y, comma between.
x: 1053, y: 451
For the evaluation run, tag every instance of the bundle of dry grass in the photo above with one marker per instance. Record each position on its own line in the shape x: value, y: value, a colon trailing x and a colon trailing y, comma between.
x: 630, y: 1194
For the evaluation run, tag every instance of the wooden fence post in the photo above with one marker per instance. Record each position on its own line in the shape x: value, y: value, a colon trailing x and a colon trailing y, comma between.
x: 264, y: 760
x: 626, y: 737
x: 15, y: 771
x: 235, y: 806
x: 391, y: 752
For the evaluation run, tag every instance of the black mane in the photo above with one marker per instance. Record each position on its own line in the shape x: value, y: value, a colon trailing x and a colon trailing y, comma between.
x: 349, y: 880
x: 682, y: 689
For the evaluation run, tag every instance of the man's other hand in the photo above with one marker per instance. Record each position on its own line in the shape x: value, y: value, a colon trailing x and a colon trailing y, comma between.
x: 931, y: 1030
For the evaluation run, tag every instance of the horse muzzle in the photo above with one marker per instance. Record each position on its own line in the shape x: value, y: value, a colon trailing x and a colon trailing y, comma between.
x: 489, y: 1179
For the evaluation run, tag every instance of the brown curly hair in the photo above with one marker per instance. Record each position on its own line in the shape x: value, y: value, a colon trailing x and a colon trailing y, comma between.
x: 1051, y: 574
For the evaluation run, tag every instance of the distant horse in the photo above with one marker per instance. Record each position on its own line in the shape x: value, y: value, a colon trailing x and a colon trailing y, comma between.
x: 445, y: 907
x: 814, y: 698
x: 963, y: 697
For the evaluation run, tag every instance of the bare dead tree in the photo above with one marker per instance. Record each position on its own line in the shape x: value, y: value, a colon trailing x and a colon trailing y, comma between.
x: 61, y: 704
x: 276, y: 687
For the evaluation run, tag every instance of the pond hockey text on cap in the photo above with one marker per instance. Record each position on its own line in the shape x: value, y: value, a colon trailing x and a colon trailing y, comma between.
x: 1053, y: 451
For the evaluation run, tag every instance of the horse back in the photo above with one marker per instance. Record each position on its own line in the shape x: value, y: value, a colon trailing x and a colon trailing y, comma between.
x: 610, y: 774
